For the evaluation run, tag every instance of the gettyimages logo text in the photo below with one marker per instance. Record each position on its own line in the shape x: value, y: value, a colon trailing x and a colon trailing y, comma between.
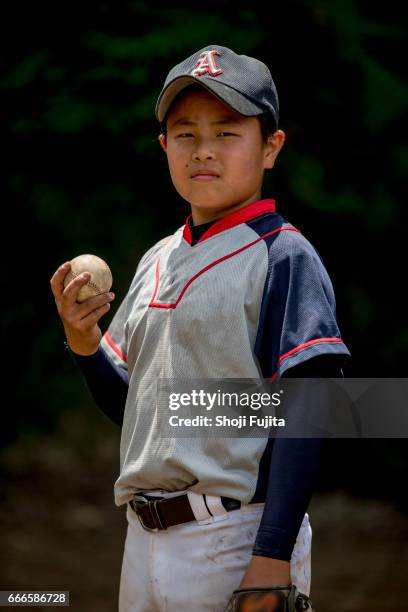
x: 207, y: 400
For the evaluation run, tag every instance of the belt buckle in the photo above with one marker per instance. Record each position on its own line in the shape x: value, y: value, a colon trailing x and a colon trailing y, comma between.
x: 143, y: 501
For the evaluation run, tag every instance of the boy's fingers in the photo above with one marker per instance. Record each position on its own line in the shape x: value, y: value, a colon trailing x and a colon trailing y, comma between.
x: 57, y: 279
x: 92, y: 303
x: 70, y: 293
x: 93, y: 317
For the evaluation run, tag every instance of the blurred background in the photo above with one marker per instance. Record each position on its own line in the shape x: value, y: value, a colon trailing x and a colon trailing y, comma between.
x: 83, y: 173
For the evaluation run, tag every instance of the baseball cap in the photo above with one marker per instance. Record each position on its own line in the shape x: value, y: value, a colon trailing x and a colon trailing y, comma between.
x: 242, y: 82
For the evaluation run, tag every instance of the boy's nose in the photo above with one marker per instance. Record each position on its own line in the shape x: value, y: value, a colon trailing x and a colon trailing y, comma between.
x: 203, y: 152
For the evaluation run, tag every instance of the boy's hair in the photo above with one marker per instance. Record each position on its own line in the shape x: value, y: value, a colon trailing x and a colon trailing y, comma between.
x: 266, y: 120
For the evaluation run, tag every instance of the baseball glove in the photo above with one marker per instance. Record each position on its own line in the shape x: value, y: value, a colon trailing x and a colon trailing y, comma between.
x: 275, y: 598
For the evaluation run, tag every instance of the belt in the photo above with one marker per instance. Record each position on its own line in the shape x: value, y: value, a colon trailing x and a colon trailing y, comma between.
x: 159, y: 513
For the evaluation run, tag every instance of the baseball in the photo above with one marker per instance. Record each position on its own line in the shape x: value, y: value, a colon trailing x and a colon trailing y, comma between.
x: 101, y: 276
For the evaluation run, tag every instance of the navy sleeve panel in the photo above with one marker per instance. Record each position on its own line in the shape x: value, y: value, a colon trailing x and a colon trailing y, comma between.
x: 287, y: 475
x: 298, y: 311
x: 107, y: 383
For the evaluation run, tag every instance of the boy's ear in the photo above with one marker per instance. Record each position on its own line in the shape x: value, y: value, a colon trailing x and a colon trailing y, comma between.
x: 273, y: 146
x: 163, y: 142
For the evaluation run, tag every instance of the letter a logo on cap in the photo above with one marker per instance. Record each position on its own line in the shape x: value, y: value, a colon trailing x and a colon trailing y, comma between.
x: 206, y: 64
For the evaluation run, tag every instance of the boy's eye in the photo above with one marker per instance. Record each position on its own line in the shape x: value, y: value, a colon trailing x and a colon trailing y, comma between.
x: 184, y: 135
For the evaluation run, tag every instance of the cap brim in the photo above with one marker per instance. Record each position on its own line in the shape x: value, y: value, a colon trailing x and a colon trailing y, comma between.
x: 225, y: 93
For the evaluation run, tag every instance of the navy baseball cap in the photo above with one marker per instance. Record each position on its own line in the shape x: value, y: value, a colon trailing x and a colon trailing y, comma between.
x: 242, y: 82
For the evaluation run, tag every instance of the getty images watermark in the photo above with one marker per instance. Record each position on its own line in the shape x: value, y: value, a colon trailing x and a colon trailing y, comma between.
x: 214, y: 401
x: 293, y: 408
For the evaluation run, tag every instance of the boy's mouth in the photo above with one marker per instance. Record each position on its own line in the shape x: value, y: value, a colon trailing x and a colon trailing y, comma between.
x: 204, y: 175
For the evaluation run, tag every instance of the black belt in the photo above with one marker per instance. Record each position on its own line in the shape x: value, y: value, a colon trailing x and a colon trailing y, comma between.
x: 159, y: 512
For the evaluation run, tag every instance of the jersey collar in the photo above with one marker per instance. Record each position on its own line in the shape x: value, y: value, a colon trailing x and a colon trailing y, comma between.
x: 242, y: 215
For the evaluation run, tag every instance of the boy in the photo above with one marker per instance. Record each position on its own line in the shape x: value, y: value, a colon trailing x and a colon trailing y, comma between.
x: 235, y: 293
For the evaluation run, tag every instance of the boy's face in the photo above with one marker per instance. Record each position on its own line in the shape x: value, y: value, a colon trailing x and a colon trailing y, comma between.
x: 216, y: 156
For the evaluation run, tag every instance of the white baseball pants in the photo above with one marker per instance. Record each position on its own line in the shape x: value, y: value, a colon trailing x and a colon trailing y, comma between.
x: 195, y: 566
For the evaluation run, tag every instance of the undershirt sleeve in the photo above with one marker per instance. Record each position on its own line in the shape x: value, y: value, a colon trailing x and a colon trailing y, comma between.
x: 293, y: 468
x: 106, y: 382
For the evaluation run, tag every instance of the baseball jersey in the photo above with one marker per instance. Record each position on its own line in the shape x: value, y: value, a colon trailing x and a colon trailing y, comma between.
x: 250, y: 299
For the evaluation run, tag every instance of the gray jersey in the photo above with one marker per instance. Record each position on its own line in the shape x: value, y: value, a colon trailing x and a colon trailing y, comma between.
x: 249, y: 300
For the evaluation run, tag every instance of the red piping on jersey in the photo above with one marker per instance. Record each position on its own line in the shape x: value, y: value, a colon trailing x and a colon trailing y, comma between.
x: 302, y: 346
x: 255, y: 209
x: 211, y: 265
x: 115, y: 347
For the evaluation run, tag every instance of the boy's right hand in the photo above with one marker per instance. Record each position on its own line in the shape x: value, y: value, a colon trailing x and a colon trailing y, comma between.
x: 80, y: 320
